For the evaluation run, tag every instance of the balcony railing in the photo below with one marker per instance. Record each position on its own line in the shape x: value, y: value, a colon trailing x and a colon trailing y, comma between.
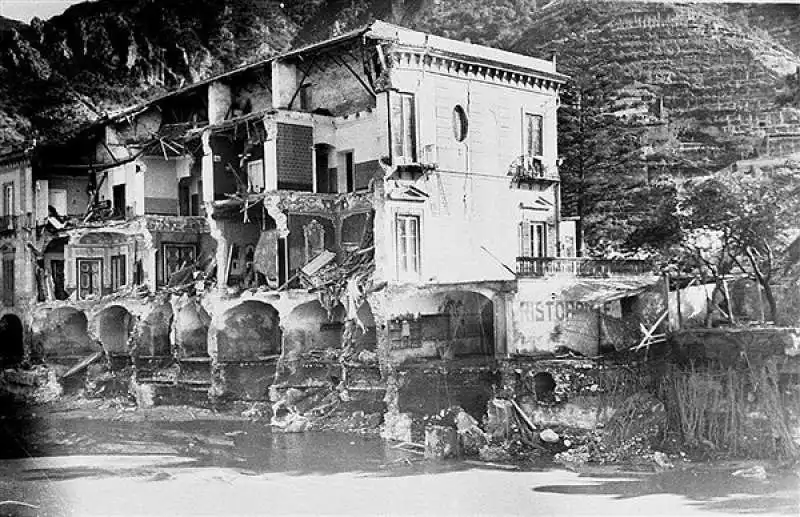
x: 543, y: 266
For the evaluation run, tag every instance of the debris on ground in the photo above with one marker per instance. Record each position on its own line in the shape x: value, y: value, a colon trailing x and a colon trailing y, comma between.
x: 441, y: 442
x: 757, y: 472
x: 37, y: 385
x: 549, y: 436
x: 257, y: 411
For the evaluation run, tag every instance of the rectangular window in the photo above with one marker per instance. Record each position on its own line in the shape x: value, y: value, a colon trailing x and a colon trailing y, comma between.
x: 255, y: 175
x: 408, y: 246
x: 404, y: 127
x: 349, y: 170
x: 119, y: 276
x: 8, y: 199
x: 533, y: 239
x: 8, y: 280
x: 177, y: 257
x: 533, y: 135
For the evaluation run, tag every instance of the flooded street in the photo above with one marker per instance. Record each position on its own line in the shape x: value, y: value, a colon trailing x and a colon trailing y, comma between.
x: 82, y: 466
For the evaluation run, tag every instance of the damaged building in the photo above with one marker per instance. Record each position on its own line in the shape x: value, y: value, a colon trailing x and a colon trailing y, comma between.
x: 373, y: 219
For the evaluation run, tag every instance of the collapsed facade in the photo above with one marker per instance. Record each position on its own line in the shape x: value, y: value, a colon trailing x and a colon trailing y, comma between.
x: 375, y: 216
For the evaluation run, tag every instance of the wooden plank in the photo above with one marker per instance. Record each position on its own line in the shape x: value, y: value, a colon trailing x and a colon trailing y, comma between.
x: 83, y: 364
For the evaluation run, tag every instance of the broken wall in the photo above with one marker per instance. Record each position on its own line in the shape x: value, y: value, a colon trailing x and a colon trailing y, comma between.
x: 334, y: 88
x: 308, y: 236
x: 424, y: 325
x: 574, y: 393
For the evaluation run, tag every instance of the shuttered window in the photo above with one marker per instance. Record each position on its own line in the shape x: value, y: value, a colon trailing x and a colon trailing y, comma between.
x: 119, y: 274
x: 533, y: 135
x: 408, y: 246
x: 532, y: 239
x: 404, y: 130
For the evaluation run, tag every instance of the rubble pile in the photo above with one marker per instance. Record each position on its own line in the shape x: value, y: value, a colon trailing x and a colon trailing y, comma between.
x: 37, y: 385
x: 629, y: 437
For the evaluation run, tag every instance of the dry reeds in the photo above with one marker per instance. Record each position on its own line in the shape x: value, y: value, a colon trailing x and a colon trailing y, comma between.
x: 730, y: 409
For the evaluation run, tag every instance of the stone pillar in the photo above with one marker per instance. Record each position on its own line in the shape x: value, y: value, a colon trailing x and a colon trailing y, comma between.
x: 510, y: 328
x: 219, y: 101
x: 500, y: 302
x: 284, y: 83
x: 207, y: 171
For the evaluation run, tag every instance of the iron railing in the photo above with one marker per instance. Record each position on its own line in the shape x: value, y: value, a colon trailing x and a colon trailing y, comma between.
x: 587, y: 267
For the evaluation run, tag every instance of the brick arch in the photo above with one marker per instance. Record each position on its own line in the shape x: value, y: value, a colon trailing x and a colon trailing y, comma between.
x: 61, y: 332
x: 309, y: 327
x: 113, y: 326
x: 248, y: 331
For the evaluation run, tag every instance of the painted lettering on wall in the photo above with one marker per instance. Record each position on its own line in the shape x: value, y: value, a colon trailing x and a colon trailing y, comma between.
x: 552, y: 310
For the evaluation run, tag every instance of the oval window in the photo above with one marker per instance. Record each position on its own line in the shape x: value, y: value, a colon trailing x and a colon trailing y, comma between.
x: 460, y: 124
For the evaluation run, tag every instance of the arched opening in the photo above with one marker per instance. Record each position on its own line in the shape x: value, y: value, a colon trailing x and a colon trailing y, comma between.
x: 191, y: 329
x: 544, y: 387
x: 62, y: 332
x: 249, y: 331
x: 12, y: 349
x: 113, y: 326
x: 448, y: 325
x: 152, y: 336
x: 308, y: 327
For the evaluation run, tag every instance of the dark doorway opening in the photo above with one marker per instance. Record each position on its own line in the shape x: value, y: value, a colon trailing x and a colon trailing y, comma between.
x: 544, y: 386
x: 326, y: 176
x: 11, y: 348
x: 119, y: 201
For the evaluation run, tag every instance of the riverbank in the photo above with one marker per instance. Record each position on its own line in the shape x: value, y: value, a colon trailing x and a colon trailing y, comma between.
x: 92, y: 458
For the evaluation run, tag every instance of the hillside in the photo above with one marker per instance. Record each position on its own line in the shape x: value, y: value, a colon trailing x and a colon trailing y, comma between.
x: 714, y: 69
x: 56, y: 74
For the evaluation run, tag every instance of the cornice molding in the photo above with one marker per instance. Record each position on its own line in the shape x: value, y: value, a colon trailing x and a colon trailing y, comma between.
x: 474, y: 68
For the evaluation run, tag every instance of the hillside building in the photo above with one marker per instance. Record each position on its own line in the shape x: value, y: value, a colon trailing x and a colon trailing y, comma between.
x: 390, y: 195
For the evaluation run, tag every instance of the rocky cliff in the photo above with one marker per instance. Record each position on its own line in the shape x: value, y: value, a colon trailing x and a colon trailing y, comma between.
x: 96, y: 57
x: 701, y: 74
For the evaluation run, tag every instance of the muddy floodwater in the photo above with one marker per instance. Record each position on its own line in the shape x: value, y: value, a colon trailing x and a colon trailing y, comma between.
x: 105, y: 467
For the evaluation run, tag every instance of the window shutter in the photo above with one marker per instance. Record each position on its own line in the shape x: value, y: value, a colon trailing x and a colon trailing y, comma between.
x: 525, y: 239
x: 396, y: 124
x: 409, y: 128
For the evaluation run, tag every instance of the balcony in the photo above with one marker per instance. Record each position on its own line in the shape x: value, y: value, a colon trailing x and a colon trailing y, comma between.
x: 527, y: 170
x: 582, y: 267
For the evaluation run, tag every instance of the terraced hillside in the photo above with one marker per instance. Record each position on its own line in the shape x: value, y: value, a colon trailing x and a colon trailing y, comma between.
x: 717, y: 77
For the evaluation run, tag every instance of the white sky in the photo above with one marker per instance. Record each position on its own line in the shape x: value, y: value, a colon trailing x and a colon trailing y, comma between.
x: 26, y: 9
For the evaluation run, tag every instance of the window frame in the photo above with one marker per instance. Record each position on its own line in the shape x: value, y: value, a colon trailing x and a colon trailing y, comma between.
x: 8, y: 200
x: 533, y: 239
x: 260, y: 173
x: 165, y: 275
x: 348, y: 175
x: 526, y: 138
x: 119, y: 271
x: 408, y: 270
x: 408, y: 139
